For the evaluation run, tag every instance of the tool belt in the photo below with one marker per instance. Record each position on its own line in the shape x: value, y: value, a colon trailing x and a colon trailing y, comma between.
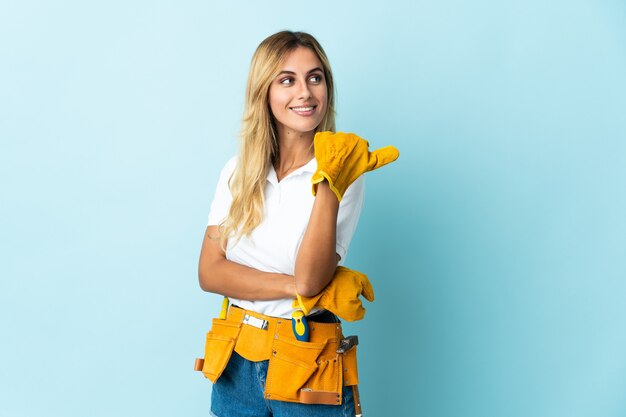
x: 310, y: 372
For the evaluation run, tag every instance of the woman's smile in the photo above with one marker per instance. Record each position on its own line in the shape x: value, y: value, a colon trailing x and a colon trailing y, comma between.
x: 304, y: 110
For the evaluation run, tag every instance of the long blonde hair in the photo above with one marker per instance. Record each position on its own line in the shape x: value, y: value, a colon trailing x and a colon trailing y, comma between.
x: 259, y: 142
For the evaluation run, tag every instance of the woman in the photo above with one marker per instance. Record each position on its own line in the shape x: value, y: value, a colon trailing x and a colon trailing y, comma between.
x: 270, y: 239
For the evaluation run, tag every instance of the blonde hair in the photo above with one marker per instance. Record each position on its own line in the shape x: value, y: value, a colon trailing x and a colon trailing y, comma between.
x: 259, y: 143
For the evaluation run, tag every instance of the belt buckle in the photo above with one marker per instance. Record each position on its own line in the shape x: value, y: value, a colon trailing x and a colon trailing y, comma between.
x: 255, y: 322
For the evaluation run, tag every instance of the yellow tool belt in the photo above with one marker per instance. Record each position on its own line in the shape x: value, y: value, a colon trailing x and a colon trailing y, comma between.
x: 306, y: 372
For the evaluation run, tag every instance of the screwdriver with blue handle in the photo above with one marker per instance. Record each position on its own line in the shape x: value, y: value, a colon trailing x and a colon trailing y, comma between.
x: 300, y: 326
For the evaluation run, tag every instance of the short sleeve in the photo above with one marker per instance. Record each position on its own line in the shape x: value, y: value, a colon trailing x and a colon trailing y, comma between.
x: 348, y: 215
x: 222, y: 198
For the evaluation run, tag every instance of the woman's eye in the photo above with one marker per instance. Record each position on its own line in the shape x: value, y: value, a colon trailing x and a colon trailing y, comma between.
x: 316, y: 79
x: 286, y: 81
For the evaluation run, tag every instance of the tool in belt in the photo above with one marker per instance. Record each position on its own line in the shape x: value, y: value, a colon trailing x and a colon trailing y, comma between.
x: 312, y: 372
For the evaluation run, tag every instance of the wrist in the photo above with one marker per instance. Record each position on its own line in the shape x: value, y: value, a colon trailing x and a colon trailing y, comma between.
x: 324, y: 192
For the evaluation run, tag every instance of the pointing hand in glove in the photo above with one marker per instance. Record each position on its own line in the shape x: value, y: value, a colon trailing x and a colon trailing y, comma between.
x: 343, y: 157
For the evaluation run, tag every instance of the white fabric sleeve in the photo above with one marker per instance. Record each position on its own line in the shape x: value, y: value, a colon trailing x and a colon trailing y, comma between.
x: 222, y: 198
x: 348, y: 216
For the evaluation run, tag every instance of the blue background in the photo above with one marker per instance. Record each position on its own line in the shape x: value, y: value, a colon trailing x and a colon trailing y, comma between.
x: 496, y: 243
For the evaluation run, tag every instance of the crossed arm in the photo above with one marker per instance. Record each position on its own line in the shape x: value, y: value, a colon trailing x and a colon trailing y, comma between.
x: 315, y: 263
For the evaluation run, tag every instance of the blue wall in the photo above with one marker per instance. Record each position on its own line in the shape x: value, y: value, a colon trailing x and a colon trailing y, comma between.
x: 496, y: 243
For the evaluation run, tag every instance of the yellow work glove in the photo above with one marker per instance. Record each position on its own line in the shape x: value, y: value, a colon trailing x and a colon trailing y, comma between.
x: 343, y: 157
x: 341, y: 295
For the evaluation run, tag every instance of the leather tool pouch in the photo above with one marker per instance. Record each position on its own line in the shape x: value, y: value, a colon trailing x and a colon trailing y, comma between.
x: 309, y: 373
x: 220, y: 342
x: 350, y: 369
x: 304, y: 372
x: 254, y: 344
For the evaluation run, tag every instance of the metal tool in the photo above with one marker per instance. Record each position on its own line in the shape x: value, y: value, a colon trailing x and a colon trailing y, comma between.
x: 348, y: 343
x: 255, y: 322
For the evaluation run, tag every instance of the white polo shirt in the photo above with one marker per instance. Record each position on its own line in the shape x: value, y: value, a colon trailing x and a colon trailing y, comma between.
x: 274, y: 244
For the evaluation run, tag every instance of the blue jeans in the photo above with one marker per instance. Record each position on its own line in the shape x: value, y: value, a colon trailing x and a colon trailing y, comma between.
x: 239, y: 393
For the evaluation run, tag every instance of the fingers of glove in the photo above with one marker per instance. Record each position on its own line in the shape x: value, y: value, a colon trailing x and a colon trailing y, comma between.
x: 321, y: 137
x: 346, y: 140
x: 368, y: 290
x: 356, y: 312
x: 365, y: 286
x: 337, y: 146
x: 382, y: 157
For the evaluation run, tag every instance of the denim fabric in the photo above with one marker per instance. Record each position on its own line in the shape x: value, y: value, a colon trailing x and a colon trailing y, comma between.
x: 239, y: 393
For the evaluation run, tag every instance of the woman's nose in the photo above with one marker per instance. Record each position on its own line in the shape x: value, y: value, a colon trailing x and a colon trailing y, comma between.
x: 303, y: 90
